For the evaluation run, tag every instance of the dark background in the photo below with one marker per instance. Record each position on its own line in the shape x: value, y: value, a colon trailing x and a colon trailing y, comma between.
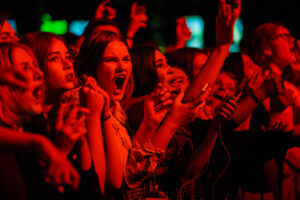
x: 161, y: 14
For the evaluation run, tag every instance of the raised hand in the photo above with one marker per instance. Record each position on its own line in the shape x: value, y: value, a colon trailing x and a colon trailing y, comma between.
x: 138, y: 20
x: 105, y: 11
x: 227, y: 16
x: 70, y: 126
x: 157, y: 105
x: 225, y: 110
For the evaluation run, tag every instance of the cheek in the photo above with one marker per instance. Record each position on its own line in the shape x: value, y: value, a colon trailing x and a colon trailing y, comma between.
x: 54, y: 74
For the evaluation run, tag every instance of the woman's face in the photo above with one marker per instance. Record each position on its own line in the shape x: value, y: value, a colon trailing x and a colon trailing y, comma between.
x: 59, y: 71
x: 224, y: 87
x: 282, y: 47
x: 114, y: 70
x: 179, y: 81
x: 163, y: 69
x: 7, y: 33
x: 249, y: 66
x: 29, y: 101
x: 171, y: 77
x: 198, y: 62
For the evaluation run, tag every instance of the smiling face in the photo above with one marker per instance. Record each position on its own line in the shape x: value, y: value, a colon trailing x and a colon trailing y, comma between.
x: 29, y: 101
x: 59, y: 71
x: 114, y: 70
x: 224, y: 87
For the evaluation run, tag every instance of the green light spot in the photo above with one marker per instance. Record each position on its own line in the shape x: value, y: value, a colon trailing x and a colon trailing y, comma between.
x: 58, y: 27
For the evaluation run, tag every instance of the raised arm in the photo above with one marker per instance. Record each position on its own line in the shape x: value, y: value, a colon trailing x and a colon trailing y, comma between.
x: 227, y: 16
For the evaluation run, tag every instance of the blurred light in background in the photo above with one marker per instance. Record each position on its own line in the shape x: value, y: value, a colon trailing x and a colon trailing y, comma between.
x: 77, y: 26
x: 196, y: 25
x: 13, y: 24
x: 237, y: 36
x: 58, y: 27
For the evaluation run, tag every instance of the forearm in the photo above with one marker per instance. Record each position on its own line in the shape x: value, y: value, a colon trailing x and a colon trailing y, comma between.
x: 113, y: 161
x: 145, y: 132
x: 12, y: 140
x: 247, y: 106
x: 85, y: 160
x: 164, y: 133
x: 209, y: 72
x: 95, y: 142
x: 201, y: 155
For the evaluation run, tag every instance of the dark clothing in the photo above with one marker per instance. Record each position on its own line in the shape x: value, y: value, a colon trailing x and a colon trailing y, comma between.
x: 245, y: 158
x: 21, y: 179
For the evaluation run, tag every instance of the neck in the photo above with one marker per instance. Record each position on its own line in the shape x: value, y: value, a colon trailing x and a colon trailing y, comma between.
x: 9, y: 117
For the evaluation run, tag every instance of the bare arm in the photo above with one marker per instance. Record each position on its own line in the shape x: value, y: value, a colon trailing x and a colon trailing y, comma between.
x: 226, y: 19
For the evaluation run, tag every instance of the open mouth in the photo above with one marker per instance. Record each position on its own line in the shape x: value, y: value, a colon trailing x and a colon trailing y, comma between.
x: 70, y: 77
x: 119, y: 82
x: 37, y: 93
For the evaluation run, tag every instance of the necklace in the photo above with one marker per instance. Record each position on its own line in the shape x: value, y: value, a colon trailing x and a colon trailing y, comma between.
x: 116, y: 125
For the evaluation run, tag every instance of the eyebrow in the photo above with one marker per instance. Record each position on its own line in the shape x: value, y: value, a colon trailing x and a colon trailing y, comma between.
x: 56, y: 52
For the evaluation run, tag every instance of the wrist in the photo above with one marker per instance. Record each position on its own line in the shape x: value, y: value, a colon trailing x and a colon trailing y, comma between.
x: 172, y: 124
x: 260, y: 94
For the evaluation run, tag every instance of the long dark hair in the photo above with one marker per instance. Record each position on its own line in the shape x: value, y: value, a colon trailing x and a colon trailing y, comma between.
x: 144, y: 70
x: 92, y: 50
x: 184, y: 57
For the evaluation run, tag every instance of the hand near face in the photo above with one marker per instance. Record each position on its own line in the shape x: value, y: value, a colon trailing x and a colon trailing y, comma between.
x: 255, y: 80
x: 57, y: 169
x: 94, y: 97
x: 227, y: 16
x: 70, y: 126
x: 272, y: 86
x: 225, y: 110
x: 157, y: 105
x: 182, y: 113
x: 14, y: 77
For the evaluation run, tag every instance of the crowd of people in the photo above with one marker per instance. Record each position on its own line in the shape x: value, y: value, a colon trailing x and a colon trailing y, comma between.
x: 105, y: 118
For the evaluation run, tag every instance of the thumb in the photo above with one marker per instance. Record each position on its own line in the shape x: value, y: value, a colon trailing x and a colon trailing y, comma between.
x: 180, y: 96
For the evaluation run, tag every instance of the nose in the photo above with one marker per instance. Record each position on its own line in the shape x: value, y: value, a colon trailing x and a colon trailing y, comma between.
x: 38, y: 75
x: 67, y: 64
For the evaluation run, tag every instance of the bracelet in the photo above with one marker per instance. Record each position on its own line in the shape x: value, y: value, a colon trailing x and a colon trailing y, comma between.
x: 255, y: 99
x: 106, y: 118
